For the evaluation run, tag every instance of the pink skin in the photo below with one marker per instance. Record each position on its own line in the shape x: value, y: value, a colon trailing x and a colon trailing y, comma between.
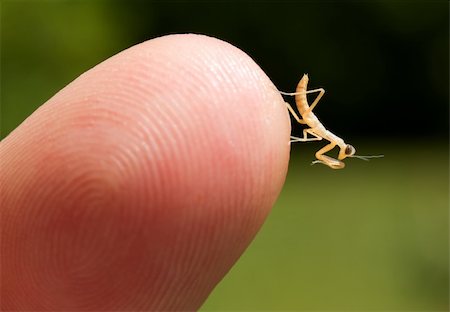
x: 140, y: 184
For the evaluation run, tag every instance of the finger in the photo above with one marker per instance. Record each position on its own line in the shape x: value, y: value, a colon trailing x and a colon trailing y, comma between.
x: 141, y: 183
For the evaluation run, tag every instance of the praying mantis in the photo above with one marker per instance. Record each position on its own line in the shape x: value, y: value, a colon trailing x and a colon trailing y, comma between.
x: 317, y: 130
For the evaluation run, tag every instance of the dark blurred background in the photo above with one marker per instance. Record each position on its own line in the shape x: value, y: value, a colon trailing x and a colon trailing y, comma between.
x: 373, y: 236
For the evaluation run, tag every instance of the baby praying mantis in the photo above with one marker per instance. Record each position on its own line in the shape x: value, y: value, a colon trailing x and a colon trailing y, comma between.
x: 317, y: 130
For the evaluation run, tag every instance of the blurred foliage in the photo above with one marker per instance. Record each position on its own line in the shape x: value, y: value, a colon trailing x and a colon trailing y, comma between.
x: 371, y: 237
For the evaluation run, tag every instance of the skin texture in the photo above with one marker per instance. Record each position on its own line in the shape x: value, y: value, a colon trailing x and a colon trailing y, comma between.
x: 140, y: 184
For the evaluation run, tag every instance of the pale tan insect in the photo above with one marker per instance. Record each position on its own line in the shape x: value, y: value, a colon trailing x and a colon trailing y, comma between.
x: 317, y: 130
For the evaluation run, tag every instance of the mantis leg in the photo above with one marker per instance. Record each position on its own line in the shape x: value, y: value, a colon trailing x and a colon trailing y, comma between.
x: 314, y: 103
x: 316, y: 100
x: 291, y: 110
x: 305, y: 136
x: 326, y: 160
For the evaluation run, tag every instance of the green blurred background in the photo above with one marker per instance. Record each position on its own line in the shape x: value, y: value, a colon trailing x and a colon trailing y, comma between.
x: 373, y: 236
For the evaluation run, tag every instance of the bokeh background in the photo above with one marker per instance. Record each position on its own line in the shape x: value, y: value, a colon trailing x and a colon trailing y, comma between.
x: 373, y: 236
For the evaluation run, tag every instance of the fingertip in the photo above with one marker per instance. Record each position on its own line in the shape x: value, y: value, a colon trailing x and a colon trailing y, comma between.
x: 143, y: 180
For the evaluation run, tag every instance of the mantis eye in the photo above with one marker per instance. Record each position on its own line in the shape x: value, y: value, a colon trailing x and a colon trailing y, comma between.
x: 349, y: 150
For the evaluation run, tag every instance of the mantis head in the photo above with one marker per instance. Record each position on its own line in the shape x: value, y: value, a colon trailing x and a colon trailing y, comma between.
x: 346, y: 151
x: 349, y: 151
